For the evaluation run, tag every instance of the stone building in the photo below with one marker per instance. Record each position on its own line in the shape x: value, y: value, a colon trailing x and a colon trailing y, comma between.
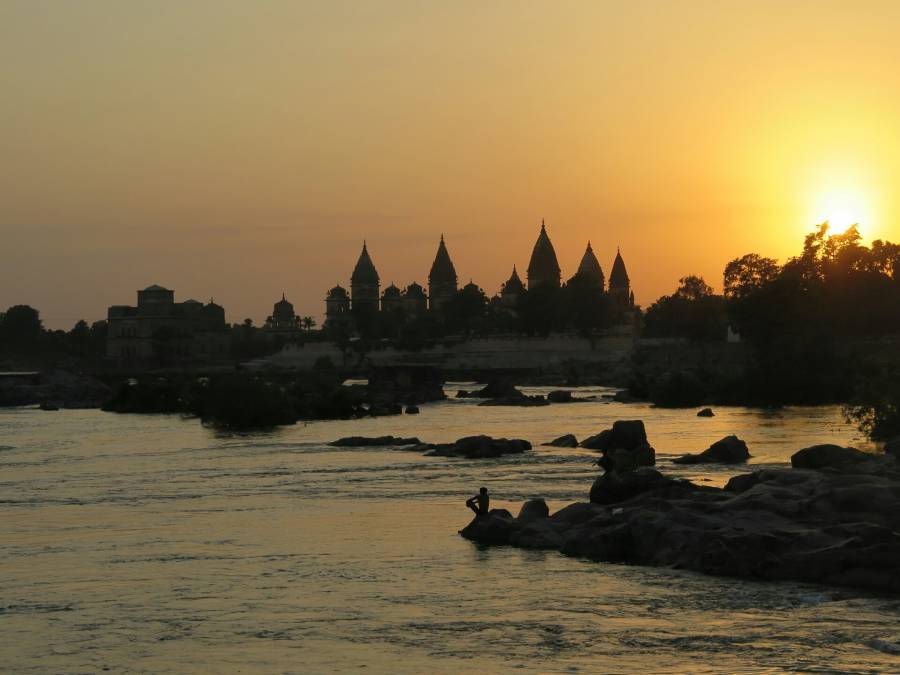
x: 620, y: 286
x: 337, y: 308
x: 283, y: 323
x: 590, y: 269
x: 364, y: 284
x: 543, y: 267
x: 161, y: 331
x: 442, y: 279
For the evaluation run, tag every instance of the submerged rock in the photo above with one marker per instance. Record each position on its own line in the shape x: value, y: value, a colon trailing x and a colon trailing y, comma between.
x: 374, y: 441
x: 729, y: 450
x: 480, y: 447
x: 565, y: 441
x: 836, y: 527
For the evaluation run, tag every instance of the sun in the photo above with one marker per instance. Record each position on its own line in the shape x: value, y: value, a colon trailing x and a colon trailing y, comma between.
x: 841, y: 207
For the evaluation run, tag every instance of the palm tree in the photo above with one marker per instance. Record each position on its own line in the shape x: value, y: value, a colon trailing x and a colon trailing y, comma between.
x: 308, y: 322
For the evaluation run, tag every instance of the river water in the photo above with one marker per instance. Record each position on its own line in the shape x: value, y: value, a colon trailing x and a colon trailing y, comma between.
x: 152, y: 544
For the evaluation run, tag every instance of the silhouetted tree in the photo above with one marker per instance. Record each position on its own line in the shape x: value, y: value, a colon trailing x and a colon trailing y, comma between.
x: 694, y: 312
x: 21, y: 328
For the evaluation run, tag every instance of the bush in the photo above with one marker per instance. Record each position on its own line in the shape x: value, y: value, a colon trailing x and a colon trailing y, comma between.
x: 240, y: 402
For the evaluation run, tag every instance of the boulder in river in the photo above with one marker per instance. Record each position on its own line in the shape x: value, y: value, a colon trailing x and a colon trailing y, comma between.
x: 835, y: 527
x: 480, y: 447
x: 624, y: 447
x: 625, y: 434
x: 560, y: 396
x: 564, y: 441
x: 706, y: 412
x: 373, y: 441
x: 412, y: 410
x: 828, y: 456
x: 533, y: 509
x: 729, y: 450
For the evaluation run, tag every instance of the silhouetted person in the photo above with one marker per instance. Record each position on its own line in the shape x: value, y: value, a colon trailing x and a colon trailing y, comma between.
x: 480, y: 503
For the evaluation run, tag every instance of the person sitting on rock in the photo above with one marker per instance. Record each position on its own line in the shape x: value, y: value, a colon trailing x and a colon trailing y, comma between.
x: 480, y: 503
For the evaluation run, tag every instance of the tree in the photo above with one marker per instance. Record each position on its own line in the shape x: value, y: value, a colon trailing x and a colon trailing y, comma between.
x: 586, y: 307
x: 465, y: 310
x: 308, y: 323
x: 693, y: 311
x: 21, y: 327
x: 747, y: 274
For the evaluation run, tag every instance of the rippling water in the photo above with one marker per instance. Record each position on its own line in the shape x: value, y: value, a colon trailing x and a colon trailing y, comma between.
x: 135, y: 543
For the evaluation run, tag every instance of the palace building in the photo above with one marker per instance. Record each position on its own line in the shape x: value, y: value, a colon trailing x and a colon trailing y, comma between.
x: 365, y: 295
x: 160, y: 329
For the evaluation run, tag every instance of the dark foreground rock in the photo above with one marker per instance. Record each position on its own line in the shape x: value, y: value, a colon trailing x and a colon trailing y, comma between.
x: 706, y: 412
x: 624, y: 447
x: 827, y: 455
x: 480, y: 447
x: 565, y: 441
x: 837, y: 525
x: 374, y: 441
x: 729, y: 450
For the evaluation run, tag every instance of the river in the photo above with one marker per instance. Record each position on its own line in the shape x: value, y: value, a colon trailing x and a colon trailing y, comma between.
x: 153, y: 544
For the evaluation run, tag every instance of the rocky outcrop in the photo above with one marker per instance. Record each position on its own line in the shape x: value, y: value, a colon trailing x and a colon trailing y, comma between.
x: 374, y: 441
x: 624, y: 447
x: 729, y: 450
x: 565, y: 441
x: 480, y: 447
x: 706, y: 412
x: 57, y: 388
x: 837, y: 525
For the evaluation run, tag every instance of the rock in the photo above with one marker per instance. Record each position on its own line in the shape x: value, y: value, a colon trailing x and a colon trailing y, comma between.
x: 621, y: 459
x: 495, y: 389
x: 625, y: 434
x: 520, y: 401
x: 828, y: 456
x: 560, y: 396
x: 613, y: 487
x: 480, y: 447
x: 533, y: 509
x: 566, y: 441
x: 412, y: 410
x: 892, y: 447
x: 729, y: 450
x: 810, y: 526
x: 706, y: 412
x: 373, y: 441
x: 385, y: 409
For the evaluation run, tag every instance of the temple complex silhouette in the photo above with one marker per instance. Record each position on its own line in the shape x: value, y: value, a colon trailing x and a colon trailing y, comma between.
x: 365, y: 295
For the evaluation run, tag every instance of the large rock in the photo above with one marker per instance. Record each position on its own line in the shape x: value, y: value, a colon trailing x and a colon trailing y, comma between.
x: 832, y: 527
x: 533, y: 509
x: 480, y: 447
x: 493, y: 389
x: 625, y: 434
x: 565, y: 441
x: 621, y: 459
x: 729, y: 450
x: 828, y: 456
x: 706, y: 412
x: 560, y: 396
x: 373, y: 441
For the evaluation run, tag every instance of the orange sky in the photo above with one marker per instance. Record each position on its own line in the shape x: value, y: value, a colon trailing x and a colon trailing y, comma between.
x: 242, y: 149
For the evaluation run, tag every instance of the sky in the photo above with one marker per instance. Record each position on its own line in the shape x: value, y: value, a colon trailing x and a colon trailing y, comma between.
x: 238, y: 150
